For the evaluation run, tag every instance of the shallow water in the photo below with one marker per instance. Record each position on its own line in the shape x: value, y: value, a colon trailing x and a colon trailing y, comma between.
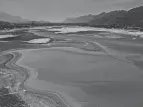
x: 83, y: 79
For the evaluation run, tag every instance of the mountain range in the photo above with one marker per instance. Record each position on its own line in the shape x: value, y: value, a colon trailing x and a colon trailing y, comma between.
x: 7, y: 19
x: 117, y: 18
x: 132, y: 17
x: 10, y: 18
x: 81, y: 19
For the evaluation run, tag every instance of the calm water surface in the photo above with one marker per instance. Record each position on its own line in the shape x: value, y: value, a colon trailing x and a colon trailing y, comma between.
x: 84, y: 80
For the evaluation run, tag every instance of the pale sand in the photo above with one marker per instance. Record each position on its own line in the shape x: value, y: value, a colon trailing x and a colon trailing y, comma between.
x: 42, y: 40
x: 6, y: 36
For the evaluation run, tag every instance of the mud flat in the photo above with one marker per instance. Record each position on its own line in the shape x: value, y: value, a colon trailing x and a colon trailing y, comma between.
x: 16, y: 85
x: 78, y: 79
x: 76, y: 71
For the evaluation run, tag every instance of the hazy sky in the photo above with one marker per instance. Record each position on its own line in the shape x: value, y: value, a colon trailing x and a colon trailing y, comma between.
x: 56, y: 10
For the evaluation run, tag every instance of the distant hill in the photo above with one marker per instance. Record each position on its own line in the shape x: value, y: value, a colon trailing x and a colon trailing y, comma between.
x: 81, y: 19
x: 4, y: 17
x: 9, y: 18
x: 43, y: 21
x: 133, y: 17
x: 102, y: 18
x: 4, y: 24
x: 111, y: 18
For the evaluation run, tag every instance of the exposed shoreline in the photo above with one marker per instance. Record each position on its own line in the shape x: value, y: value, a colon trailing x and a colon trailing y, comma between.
x: 29, y: 74
x: 12, y: 64
x: 111, y: 67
